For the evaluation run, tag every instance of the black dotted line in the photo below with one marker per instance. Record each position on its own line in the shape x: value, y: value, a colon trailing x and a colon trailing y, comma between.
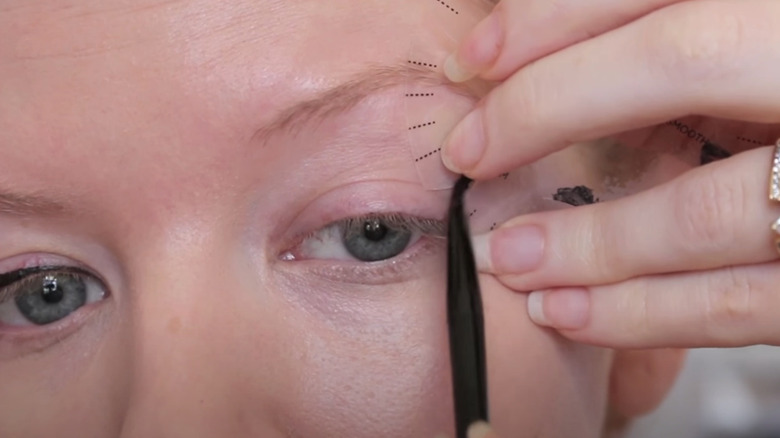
x: 429, y: 154
x: 493, y: 227
x: 505, y: 176
x: 419, y: 94
x: 750, y: 141
x: 422, y: 64
x: 412, y: 128
x: 448, y: 6
x: 473, y: 212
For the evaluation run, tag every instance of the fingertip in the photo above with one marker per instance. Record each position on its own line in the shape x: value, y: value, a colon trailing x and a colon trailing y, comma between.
x: 562, y: 309
x: 480, y: 429
x: 481, y: 247
x: 465, y: 146
x: 478, y: 51
x: 455, y: 72
x: 535, y: 303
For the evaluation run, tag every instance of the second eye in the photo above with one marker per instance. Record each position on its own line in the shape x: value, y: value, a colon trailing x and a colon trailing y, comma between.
x: 367, y: 239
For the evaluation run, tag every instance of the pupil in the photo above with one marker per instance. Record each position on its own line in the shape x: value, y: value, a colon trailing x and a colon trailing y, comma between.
x: 51, y: 292
x: 374, y: 230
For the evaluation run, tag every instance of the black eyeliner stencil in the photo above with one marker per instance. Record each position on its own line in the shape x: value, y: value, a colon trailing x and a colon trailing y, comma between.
x: 465, y: 319
x: 576, y: 196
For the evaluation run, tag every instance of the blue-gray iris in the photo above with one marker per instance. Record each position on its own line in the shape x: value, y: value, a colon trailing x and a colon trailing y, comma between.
x: 373, y: 240
x: 53, y: 298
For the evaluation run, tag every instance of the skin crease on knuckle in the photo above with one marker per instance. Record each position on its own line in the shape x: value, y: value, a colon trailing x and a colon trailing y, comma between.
x: 731, y: 305
x: 708, y: 209
x: 130, y: 148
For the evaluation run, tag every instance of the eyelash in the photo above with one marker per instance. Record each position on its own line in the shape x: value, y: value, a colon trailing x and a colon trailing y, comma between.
x: 13, y: 284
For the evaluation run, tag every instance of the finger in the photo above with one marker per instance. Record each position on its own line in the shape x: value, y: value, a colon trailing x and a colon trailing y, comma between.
x: 520, y: 31
x: 712, y: 216
x: 727, y: 307
x: 711, y: 58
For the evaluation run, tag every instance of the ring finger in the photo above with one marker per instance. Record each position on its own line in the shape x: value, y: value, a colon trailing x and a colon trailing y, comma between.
x: 727, y: 307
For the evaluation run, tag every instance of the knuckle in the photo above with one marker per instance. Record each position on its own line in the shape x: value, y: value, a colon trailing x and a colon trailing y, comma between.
x: 696, y: 41
x: 707, y: 212
x: 638, y: 310
x: 730, y: 301
x: 606, y: 242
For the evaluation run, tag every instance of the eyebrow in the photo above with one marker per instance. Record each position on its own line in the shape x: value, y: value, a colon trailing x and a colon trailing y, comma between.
x: 13, y: 204
x: 348, y: 94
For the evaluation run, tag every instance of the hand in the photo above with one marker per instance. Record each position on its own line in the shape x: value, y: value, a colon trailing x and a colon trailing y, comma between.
x: 687, y: 264
x: 649, y: 61
x: 690, y: 263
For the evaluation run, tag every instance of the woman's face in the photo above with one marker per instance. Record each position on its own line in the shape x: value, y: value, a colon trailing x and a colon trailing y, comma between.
x: 185, y: 178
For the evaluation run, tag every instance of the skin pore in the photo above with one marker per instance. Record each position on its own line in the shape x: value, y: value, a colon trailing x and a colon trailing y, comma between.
x: 135, y: 145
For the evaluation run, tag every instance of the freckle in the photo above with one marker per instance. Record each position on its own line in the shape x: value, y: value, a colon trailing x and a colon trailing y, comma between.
x: 174, y: 325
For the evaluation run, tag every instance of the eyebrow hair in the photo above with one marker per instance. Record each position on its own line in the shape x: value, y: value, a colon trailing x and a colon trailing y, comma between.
x: 28, y: 205
x: 346, y: 95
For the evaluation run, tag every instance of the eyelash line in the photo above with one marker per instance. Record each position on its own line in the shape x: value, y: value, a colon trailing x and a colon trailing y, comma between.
x: 428, y: 227
x: 12, y: 284
x: 431, y: 228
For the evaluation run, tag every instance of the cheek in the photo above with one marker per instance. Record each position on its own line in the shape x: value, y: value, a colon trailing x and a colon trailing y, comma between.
x: 539, y: 383
x: 385, y: 373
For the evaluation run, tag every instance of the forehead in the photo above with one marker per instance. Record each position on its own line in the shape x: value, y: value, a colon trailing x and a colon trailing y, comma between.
x: 121, y: 89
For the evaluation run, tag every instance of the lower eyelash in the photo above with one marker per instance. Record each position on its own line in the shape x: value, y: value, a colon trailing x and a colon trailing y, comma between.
x: 395, y: 270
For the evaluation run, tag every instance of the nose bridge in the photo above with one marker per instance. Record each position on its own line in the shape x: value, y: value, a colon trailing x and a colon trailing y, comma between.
x: 183, y: 379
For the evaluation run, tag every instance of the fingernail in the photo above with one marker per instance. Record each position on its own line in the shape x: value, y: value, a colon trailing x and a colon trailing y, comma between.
x: 479, y: 430
x: 480, y: 245
x: 562, y: 309
x: 478, y: 51
x: 466, y: 144
x: 454, y: 71
x: 516, y: 250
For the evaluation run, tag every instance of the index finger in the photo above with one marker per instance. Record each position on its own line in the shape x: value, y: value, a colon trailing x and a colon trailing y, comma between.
x: 520, y: 31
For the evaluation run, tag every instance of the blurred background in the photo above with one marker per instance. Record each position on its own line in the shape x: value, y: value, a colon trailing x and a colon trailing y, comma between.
x: 721, y: 393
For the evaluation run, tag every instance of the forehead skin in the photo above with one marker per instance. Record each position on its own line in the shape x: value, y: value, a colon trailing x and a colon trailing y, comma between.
x: 141, y: 117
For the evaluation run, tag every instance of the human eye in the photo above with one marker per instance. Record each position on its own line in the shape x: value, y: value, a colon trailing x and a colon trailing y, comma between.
x: 374, y: 237
x: 44, y: 295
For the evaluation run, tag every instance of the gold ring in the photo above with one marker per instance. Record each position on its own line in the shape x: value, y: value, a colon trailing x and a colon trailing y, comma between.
x: 774, y: 191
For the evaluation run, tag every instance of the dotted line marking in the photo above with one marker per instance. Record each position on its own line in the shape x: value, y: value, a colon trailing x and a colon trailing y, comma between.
x: 412, y: 128
x: 749, y: 140
x: 429, y: 154
x: 493, y: 227
x: 473, y: 212
x: 422, y: 64
x: 448, y: 6
x: 419, y: 94
x: 505, y: 176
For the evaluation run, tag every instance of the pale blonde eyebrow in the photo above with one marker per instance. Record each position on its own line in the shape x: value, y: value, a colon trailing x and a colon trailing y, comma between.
x: 15, y: 204
x: 346, y: 95
x: 349, y: 93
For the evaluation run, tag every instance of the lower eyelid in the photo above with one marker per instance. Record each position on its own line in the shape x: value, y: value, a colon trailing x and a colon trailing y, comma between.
x: 403, y: 267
